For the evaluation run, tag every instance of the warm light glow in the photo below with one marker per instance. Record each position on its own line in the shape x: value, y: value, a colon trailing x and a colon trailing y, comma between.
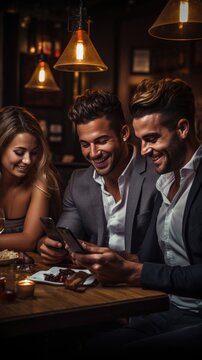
x: 32, y: 49
x: 25, y: 289
x: 42, y: 73
x: 180, y: 20
x: 79, y: 50
x: 42, y: 78
x: 26, y: 282
x: 80, y: 55
x: 184, y: 11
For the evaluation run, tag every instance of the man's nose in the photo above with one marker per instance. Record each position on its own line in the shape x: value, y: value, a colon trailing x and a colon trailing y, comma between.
x: 145, y: 148
x: 94, y: 150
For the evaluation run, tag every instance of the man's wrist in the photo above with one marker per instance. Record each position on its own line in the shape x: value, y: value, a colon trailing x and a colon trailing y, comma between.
x: 135, y: 275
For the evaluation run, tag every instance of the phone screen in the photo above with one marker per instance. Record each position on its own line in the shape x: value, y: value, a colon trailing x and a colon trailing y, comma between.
x: 71, y: 240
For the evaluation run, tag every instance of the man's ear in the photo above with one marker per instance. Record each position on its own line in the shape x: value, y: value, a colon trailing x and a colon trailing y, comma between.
x: 183, y: 128
x: 125, y: 132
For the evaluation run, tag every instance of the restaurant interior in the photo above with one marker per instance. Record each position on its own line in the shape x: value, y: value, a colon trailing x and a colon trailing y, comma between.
x: 118, y: 31
x: 128, y: 46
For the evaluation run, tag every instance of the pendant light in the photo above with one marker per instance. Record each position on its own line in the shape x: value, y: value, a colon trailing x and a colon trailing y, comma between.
x: 80, y: 53
x: 180, y: 20
x: 42, y: 78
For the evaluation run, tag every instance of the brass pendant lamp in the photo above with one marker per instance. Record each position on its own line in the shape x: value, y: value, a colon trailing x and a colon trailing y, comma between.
x: 42, y: 78
x: 80, y: 53
x: 180, y: 20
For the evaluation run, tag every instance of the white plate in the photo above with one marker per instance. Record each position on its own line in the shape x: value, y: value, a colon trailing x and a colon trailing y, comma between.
x: 39, y: 276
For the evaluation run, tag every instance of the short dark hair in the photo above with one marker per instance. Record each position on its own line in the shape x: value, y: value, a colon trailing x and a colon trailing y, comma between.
x: 93, y: 104
x: 171, y: 97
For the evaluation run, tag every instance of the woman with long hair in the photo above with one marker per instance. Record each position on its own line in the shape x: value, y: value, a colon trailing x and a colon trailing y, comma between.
x: 29, y: 186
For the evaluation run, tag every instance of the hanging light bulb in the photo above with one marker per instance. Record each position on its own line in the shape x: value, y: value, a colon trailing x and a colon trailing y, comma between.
x: 80, y: 53
x: 79, y: 50
x: 42, y: 78
x: 184, y: 11
x: 180, y: 20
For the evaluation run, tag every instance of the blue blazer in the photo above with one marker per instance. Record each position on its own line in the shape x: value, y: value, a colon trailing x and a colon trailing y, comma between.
x: 187, y: 280
x: 83, y: 210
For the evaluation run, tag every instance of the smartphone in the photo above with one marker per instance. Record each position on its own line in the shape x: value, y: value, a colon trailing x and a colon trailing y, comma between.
x: 50, y: 229
x: 71, y: 240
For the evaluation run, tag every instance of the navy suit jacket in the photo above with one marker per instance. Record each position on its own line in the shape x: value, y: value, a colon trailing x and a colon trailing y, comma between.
x: 187, y: 280
x: 83, y: 210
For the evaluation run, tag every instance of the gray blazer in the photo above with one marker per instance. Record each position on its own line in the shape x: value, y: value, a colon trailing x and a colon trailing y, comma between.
x: 83, y: 210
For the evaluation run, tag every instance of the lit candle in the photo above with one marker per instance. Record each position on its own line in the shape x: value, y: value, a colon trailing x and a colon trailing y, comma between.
x: 25, y: 289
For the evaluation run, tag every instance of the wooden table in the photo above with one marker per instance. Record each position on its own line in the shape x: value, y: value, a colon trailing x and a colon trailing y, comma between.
x: 58, y: 308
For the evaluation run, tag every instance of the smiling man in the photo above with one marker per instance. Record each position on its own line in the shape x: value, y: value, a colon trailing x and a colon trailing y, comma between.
x: 170, y: 258
x: 111, y: 202
x: 163, y: 114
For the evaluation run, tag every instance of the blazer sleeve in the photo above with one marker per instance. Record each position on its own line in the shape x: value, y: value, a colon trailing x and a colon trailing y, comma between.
x: 70, y: 216
x: 178, y: 280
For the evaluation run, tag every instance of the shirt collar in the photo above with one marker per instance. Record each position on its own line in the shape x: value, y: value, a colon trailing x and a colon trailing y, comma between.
x: 192, y: 165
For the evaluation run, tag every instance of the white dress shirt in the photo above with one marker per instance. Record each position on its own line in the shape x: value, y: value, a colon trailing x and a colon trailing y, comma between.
x: 169, y: 222
x: 115, y: 211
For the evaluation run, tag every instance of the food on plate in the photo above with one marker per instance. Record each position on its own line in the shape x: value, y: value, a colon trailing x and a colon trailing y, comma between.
x: 60, y: 277
x: 8, y: 254
x: 76, y: 281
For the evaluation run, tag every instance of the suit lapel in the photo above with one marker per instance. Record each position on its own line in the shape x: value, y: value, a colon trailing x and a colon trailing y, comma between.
x: 97, y: 210
x: 136, y: 181
x: 193, y: 192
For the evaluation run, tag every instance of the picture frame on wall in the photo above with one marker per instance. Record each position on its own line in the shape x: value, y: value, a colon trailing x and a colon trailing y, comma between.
x: 55, y: 133
x: 141, y: 61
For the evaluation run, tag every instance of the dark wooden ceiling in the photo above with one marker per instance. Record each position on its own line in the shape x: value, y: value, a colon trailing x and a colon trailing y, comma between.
x: 60, y: 9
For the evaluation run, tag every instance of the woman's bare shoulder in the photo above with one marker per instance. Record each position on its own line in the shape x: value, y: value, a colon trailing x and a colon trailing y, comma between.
x: 40, y: 185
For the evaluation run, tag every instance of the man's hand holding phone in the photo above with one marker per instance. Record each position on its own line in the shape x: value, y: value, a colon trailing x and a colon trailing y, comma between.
x: 51, y: 230
x: 51, y: 251
x: 73, y: 244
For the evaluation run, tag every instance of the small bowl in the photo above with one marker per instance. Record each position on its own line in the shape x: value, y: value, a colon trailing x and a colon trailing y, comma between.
x: 4, y: 262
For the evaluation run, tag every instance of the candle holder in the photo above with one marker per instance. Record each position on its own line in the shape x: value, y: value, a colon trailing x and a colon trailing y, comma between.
x: 25, y: 289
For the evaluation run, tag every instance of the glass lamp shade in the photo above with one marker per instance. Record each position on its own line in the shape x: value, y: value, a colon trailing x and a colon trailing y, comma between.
x: 169, y: 25
x: 42, y: 78
x: 80, y: 55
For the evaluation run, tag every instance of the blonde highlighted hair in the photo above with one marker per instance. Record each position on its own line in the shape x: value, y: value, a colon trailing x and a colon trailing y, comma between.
x: 17, y: 120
